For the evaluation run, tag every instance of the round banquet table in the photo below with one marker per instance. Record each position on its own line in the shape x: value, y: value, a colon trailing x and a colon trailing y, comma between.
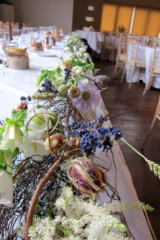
x: 93, y: 38
x: 19, y: 83
x: 144, y: 53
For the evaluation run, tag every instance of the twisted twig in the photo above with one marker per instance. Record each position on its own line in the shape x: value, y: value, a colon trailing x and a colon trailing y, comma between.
x: 31, y: 210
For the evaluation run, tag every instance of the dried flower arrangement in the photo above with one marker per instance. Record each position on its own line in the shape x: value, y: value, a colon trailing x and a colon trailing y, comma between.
x: 48, y: 158
x: 121, y: 28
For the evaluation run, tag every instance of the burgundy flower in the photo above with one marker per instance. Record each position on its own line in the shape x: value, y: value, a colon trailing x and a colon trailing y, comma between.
x: 87, y: 177
x: 59, y: 144
x: 22, y: 105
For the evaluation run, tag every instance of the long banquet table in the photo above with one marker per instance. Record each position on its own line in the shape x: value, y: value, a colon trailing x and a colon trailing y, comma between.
x: 19, y: 83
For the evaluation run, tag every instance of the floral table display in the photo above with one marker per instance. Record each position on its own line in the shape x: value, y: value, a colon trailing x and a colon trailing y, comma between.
x: 50, y: 179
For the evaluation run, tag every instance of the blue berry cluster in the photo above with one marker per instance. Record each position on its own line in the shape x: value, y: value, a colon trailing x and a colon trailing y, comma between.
x: 93, y: 135
x: 67, y: 72
x: 23, y: 98
x: 47, y: 87
x: 98, y: 87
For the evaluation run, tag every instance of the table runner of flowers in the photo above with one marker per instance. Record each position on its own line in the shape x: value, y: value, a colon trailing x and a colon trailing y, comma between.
x: 49, y: 178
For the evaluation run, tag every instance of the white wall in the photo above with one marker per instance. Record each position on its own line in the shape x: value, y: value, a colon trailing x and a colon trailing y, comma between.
x: 45, y: 13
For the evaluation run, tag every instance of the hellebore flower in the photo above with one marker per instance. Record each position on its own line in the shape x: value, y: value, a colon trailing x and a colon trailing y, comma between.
x: 11, y: 138
x: 87, y: 177
x: 33, y: 148
x: 89, y: 97
x: 38, y: 124
x: 6, y: 189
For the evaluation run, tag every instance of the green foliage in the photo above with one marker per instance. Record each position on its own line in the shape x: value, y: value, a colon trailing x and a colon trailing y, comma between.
x: 49, y: 74
x: 18, y: 117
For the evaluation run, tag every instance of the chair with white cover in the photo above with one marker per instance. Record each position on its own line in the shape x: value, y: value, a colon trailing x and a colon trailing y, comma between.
x: 122, y: 53
x: 155, y: 66
x: 156, y: 116
x: 131, y: 61
x: 109, y: 44
x: 6, y: 27
x: 26, y: 24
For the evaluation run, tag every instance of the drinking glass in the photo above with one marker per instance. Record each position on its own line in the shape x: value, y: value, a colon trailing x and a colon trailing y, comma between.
x: 22, y: 40
x: 41, y: 32
x: 15, y: 34
x: 3, y: 43
x: 26, y: 31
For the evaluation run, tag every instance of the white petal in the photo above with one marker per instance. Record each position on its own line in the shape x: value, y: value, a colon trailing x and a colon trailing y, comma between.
x: 29, y: 150
x: 11, y: 138
x: 6, y: 189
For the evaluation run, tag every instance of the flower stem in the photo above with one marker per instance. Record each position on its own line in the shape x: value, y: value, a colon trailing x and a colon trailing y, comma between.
x: 123, y: 140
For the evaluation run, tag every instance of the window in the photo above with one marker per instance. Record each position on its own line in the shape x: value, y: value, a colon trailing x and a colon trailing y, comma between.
x: 144, y: 21
x: 140, y: 20
x: 108, y: 19
x: 153, y: 24
x: 124, y: 17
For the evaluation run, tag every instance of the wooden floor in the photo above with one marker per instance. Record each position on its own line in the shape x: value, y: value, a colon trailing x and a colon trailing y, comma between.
x: 134, y: 125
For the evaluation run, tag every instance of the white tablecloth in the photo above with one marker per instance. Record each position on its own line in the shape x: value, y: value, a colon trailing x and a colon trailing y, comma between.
x: 22, y: 82
x: 145, y: 53
x: 93, y: 39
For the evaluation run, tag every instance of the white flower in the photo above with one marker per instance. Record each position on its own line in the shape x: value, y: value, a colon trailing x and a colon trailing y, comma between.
x: 38, y: 124
x: 32, y: 147
x: 66, y: 48
x: 89, y: 97
x: 11, y: 138
x: 8, y: 159
x: 59, y: 80
x: 82, y: 49
x: 58, y: 63
x: 6, y: 189
x: 67, y: 38
x: 68, y: 56
x: 79, y: 55
x: 75, y: 48
x: 86, y: 56
x: 77, y: 69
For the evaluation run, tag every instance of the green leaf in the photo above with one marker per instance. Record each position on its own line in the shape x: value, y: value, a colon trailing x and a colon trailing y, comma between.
x: 2, y: 159
x: 19, y: 116
x: 39, y: 80
x: 14, y: 153
x: 96, y: 71
x: 43, y: 71
x: 39, y: 106
x: 52, y: 119
x: 86, y: 80
x: 9, y: 120
x: 2, y: 129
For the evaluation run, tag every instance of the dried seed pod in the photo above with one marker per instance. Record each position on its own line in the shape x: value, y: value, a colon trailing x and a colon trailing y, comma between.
x: 68, y: 64
x: 74, y: 92
x: 87, y: 177
x: 63, y: 90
